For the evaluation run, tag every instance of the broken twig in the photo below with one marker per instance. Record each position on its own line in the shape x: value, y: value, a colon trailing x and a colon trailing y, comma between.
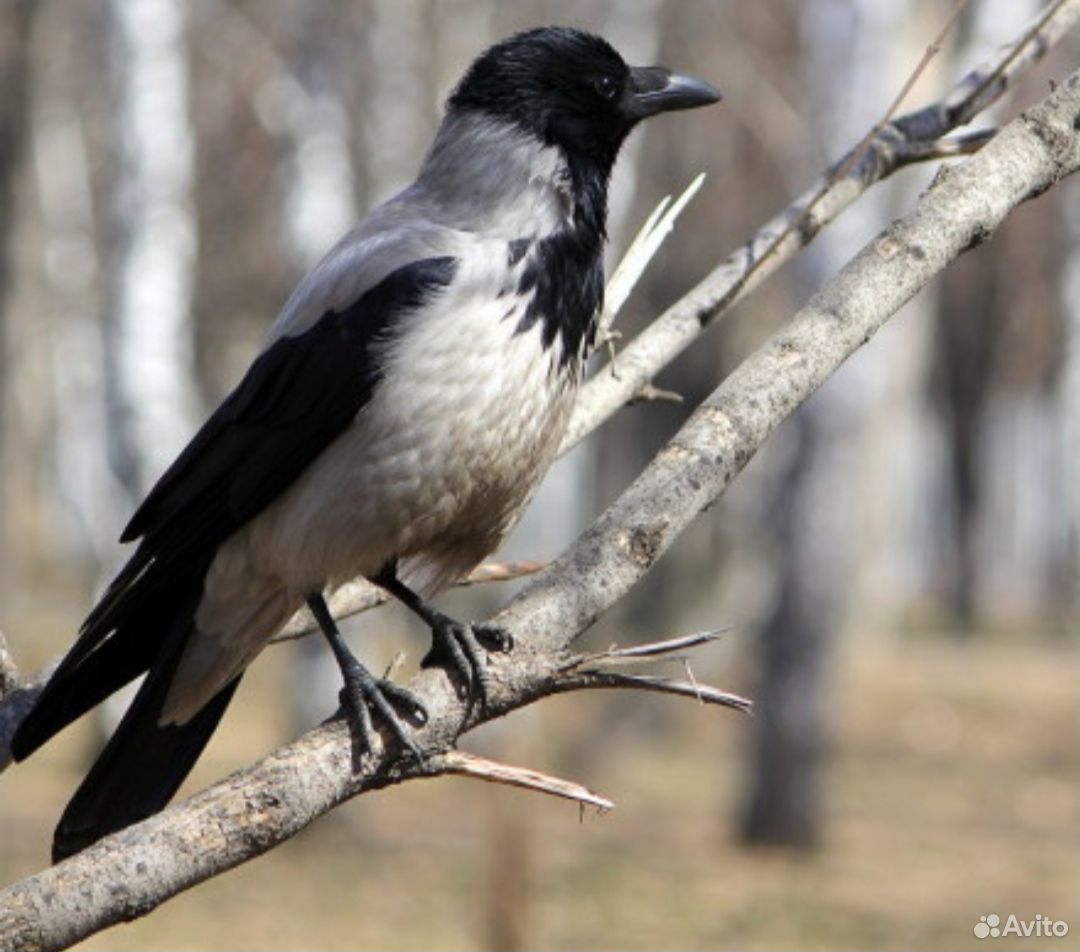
x: 469, y: 765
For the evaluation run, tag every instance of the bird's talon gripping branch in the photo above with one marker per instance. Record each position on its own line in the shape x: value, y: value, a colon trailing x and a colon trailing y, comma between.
x: 450, y: 650
x: 364, y: 695
x: 494, y: 638
x: 455, y: 645
x: 404, y: 702
x: 464, y: 648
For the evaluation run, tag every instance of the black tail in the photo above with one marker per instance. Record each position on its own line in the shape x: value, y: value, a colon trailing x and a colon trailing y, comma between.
x: 143, y: 617
x: 143, y: 763
x: 140, y: 768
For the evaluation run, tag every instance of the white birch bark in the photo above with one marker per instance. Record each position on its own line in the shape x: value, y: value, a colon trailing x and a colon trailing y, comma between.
x: 92, y: 501
x: 152, y: 399
x: 321, y: 203
x: 151, y: 338
x: 872, y: 413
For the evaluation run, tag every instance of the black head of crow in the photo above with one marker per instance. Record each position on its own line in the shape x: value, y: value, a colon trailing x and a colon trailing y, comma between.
x: 572, y: 90
x: 410, y: 396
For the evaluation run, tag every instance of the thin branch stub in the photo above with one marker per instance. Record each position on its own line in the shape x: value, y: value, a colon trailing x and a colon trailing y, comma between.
x: 470, y: 765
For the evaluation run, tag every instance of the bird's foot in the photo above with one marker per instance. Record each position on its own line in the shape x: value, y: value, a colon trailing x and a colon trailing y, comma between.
x: 365, y: 697
x: 463, y: 648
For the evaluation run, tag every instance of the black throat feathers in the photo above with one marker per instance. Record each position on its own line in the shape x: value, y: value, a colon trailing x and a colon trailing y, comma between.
x: 564, y: 273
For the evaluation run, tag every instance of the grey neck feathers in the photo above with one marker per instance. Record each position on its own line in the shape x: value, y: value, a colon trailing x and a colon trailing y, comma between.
x: 486, y: 174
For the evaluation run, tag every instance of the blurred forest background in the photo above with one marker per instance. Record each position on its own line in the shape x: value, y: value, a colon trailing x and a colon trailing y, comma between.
x: 899, y: 568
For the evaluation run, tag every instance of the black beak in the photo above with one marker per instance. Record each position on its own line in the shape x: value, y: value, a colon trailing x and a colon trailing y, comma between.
x: 656, y: 89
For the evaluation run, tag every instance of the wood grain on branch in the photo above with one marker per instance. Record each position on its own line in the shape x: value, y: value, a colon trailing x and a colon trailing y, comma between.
x: 131, y: 872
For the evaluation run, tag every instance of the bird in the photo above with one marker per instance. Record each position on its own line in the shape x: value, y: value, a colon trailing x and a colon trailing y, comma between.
x: 407, y: 400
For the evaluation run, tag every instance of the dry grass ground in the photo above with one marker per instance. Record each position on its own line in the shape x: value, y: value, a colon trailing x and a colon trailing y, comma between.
x: 952, y: 794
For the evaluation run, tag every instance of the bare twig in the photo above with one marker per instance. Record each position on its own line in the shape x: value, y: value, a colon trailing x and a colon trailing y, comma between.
x: 653, y: 394
x: 948, y: 148
x: 650, y: 651
x: 581, y: 680
x: 469, y: 765
x: 642, y: 250
x: 929, y: 53
x: 593, y: 670
x: 1056, y: 17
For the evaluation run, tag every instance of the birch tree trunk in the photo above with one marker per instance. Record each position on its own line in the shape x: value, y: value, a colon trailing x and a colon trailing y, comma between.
x: 150, y: 342
x: 151, y: 392
x: 814, y: 541
x: 92, y: 501
x: 16, y: 18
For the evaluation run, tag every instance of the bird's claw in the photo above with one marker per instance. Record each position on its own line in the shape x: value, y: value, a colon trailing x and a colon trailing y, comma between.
x: 365, y: 695
x: 464, y: 648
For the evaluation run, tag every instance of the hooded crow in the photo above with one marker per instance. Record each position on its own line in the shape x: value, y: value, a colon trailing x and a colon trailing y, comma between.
x: 410, y: 395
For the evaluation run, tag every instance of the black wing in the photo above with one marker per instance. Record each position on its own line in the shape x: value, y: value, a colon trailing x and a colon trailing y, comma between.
x: 298, y: 396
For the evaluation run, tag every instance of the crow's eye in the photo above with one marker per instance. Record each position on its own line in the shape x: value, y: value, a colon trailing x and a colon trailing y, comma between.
x: 606, y: 87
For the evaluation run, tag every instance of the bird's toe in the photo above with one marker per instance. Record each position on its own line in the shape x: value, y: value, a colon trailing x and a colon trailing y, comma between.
x: 366, y: 698
x: 463, y: 650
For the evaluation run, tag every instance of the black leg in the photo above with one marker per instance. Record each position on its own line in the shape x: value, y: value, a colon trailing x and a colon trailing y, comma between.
x: 363, y: 693
x: 454, y: 643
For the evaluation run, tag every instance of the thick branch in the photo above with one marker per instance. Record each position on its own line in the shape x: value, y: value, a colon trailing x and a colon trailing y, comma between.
x: 909, y: 138
x: 128, y: 874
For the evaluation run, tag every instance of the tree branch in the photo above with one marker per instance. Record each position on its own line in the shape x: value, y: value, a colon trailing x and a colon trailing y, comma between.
x: 131, y: 872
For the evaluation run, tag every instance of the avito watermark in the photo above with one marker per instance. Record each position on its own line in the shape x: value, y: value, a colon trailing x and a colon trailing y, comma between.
x: 990, y: 927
